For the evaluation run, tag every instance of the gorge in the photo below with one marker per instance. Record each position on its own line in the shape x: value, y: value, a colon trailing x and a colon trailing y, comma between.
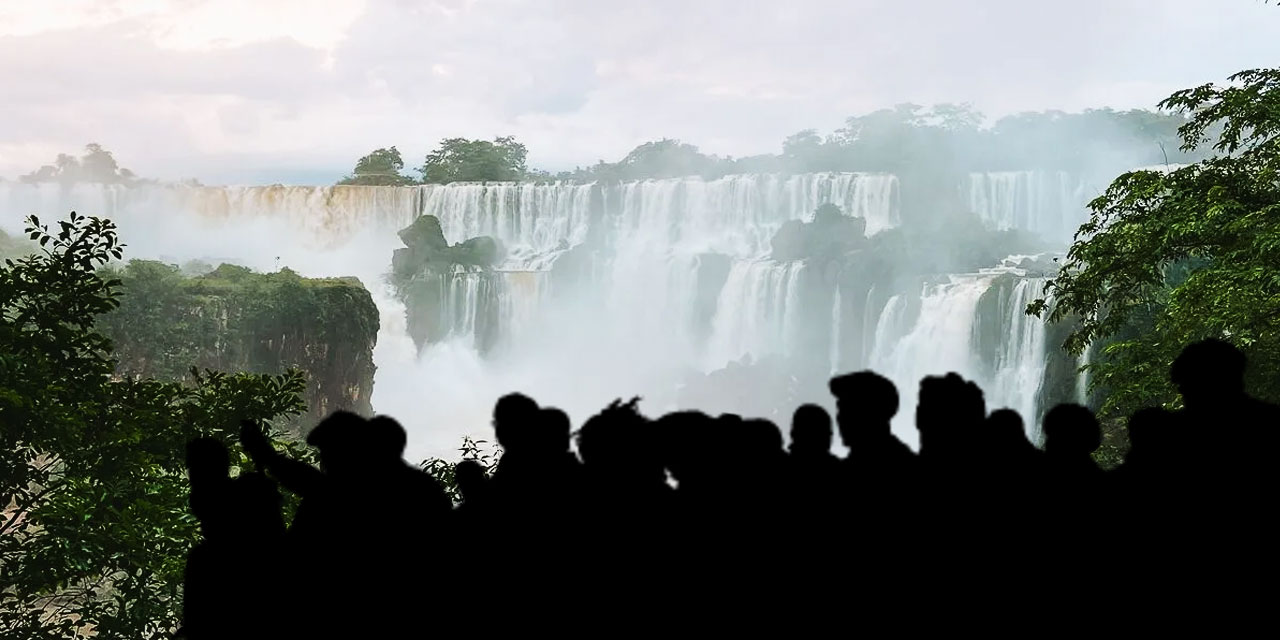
x: 690, y: 292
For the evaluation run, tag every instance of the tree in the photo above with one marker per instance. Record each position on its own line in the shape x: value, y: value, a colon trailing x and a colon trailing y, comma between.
x: 1169, y: 257
x: 96, y: 165
x: 463, y: 160
x: 95, y: 526
x: 380, y: 168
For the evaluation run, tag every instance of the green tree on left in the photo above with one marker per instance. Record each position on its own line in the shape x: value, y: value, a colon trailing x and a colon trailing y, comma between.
x: 380, y: 168
x: 95, y: 526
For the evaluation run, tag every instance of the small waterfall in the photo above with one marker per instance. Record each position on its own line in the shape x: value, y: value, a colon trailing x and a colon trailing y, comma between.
x: 1049, y: 203
x: 756, y: 312
x: 534, y: 221
x: 1020, y: 356
x: 937, y: 342
x: 835, y: 331
x: 945, y: 337
x: 1082, y: 377
x: 467, y: 305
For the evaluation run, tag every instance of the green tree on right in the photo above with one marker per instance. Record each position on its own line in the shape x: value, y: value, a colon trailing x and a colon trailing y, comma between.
x: 1170, y: 257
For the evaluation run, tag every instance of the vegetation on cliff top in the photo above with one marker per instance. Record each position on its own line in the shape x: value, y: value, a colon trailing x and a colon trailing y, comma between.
x: 96, y: 527
x: 234, y: 319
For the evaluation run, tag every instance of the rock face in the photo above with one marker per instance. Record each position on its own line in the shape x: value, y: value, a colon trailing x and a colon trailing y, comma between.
x: 828, y: 235
x: 446, y: 288
x: 233, y: 319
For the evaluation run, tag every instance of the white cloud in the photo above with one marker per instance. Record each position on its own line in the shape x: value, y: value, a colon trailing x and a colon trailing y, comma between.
x: 262, y: 90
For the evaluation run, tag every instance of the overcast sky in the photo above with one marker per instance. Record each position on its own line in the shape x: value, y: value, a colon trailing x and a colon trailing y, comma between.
x: 259, y: 91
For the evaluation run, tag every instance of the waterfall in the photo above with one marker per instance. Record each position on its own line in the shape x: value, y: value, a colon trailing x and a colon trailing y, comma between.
x: 649, y: 311
x: 1049, y: 203
x: 942, y: 338
x: 937, y: 343
x: 756, y: 312
x: 1020, y: 356
x: 835, y: 331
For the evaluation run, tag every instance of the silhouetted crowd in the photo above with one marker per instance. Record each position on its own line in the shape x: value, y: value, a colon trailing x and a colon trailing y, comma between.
x: 691, y: 523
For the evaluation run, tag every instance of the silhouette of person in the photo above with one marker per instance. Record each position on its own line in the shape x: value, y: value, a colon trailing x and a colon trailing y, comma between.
x: 242, y: 527
x: 866, y: 403
x: 1074, y: 487
x: 814, y: 470
x: 878, y: 489
x: 1210, y: 377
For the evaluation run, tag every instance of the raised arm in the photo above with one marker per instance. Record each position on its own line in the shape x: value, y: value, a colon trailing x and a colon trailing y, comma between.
x: 295, y: 475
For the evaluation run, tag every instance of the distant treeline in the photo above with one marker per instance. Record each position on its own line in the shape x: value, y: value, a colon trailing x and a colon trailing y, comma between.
x: 905, y: 138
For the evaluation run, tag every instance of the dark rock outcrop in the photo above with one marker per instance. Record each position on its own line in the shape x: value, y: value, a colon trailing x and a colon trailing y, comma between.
x: 829, y: 235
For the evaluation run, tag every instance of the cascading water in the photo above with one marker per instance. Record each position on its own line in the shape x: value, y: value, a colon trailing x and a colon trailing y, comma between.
x: 755, y: 313
x: 631, y: 326
x: 1019, y: 355
x: 836, y: 313
x: 938, y: 341
x: 1048, y: 203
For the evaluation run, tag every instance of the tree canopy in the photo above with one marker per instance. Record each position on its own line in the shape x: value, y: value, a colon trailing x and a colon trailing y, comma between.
x: 96, y: 165
x: 380, y: 168
x: 463, y: 160
x: 1169, y: 257
x: 96, y: 525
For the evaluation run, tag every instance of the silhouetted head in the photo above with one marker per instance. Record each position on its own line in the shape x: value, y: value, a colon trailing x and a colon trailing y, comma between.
x: 207, y: 460
x: 1208, y: 371
x: 689, y: 443
x: 471, y: 478
x: 387, y: 438
x: 554, y: 430
x: 1006, y: 435
x: 811, y: 432
x: 950, y: 414
x: 1071, y: 431
x: 621, y: 443
x: 342, y: 441
x: 514, y: 416
x: 865, y: 404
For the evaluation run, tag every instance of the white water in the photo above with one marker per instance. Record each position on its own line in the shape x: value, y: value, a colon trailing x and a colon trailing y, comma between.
x: 756, y: 312
x: 937, y: 342
x: 835, y: 331
x: 1020, y: 360
x: 630, y: 331
x: 1049, y: 203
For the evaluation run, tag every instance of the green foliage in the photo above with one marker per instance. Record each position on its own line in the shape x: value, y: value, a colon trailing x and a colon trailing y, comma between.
x: 96, y: 524
x: 463, y: 160
x: 96, y: 165
x: 380, y: 168
x: 235, y: 319
x: 664, y: 158
x: 444, y: 470
x: 1172, y: 257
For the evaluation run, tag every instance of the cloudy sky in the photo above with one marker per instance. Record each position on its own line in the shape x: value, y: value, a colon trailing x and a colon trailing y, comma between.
x: 252, y: 91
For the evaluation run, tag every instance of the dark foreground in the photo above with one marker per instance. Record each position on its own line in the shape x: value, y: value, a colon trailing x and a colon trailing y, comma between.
x: 693, y: 524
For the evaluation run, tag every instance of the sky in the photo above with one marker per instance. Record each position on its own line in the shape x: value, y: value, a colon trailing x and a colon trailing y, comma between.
x: 294, y: 91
